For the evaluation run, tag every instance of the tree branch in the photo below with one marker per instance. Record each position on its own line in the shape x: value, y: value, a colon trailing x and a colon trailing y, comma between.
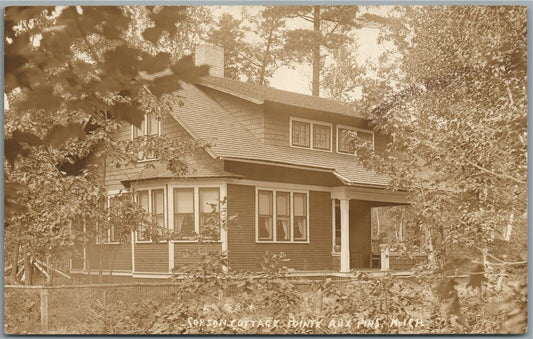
x: 499, y: 175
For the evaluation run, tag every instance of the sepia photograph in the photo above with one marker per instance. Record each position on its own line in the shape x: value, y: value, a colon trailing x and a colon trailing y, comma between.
x: 310, y: 169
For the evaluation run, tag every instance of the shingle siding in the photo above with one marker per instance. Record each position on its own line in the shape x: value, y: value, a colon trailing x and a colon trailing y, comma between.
x: 249, y: 114
x: 201, y: 163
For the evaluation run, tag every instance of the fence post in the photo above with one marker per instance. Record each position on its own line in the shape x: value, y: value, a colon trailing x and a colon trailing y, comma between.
x: 44, y: 309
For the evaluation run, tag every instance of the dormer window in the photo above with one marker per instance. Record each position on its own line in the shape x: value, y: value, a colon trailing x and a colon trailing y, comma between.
x: 346, y: 138
x: 310, y: 134
x: 149, y: 126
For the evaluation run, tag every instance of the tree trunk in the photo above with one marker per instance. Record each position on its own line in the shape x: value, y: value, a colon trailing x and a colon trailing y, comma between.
x: 316, y: 52
x: 28, y: 270
x: 266, y: 57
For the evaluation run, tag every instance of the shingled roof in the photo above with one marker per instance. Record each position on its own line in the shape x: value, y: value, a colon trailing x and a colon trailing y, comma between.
x: 259, y: 94
x: 205, y: 119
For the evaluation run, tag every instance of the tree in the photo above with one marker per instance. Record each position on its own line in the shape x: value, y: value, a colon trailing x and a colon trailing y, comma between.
x: 328, y: 32
x: 252, y: 57
x: 458, y: 127
x: 73, y: 75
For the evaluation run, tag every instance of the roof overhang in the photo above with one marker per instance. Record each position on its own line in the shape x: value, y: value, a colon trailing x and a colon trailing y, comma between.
x: 370, y: 194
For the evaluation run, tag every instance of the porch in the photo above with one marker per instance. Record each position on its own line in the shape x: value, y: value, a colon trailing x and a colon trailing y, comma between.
x: 351, y: 216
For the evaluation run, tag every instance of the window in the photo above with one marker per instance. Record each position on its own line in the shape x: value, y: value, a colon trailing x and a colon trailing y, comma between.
x: 283, y: 216
x: 287, y: 211
x: 300, y: 133
x: 310, y: 134
x: 150, y: 126
x: 153, y: 202
x: 209, y: 208
x: 196, y: 213
x: 321, y: 137
x: 346, y: 137
x: 184, y: 213
x: 300, y: 217
x: 265, y: 215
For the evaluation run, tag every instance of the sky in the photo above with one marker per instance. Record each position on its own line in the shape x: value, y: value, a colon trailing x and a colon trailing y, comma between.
x: 299, y: 79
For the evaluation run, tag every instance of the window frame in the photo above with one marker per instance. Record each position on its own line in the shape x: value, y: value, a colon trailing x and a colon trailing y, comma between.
x: 145, y: 135
x: 196, y: 208
x: 311, y: 133
x: 151, y: 206
x: 274, y: 191
x: 355, y: 129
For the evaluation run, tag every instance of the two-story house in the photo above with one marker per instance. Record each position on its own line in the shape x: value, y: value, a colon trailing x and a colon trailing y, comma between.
x: 284, y: 163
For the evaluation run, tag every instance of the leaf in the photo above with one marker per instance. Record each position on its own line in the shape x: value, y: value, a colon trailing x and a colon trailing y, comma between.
x: 41, y: 97
x: 14, y: 146
x: 129, y: 113
x: 59, y: 134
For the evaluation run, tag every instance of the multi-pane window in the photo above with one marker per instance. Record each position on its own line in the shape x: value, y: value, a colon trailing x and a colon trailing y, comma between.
x: 287, y: 211
x: 184, y: 213
x: 347, y: 138
x: 196, y: 213
x: 310, y: 134
x: 300, y: 133
x: 321, y: 137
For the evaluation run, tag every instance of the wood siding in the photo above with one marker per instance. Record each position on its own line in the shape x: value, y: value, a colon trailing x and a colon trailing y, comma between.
x: 187, y: 254
x: 249, y: 114
x: 360, y: 233
x: 112, y: 256
x: 245, y: 253
x: 151, y: 257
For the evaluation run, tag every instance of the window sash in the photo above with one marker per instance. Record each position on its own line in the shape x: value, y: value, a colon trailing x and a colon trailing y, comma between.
x: 283, y: 232
x: 143, y: 202
x: 321, y: 137
x: 300, y: 133
x: 209, y: 203
x: 184, y: 224
x: 300, y: 216
x: 265, y: 215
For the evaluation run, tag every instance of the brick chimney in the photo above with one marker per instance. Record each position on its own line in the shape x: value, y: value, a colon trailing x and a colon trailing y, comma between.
x: 211, y: 55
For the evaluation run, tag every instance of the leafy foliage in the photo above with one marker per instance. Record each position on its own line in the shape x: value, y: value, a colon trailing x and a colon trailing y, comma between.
x: 458, y: 131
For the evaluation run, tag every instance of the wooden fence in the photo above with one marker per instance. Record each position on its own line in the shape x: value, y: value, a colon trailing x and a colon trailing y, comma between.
x: 44, y: 294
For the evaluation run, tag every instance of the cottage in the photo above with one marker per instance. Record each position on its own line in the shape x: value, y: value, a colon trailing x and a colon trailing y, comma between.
x: 280, y: 161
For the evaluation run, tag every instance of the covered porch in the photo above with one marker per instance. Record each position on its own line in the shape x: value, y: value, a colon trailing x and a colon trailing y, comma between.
x: 351, y: 216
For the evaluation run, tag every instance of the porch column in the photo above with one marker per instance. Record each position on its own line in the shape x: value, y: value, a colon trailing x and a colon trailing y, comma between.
x: 345, y: 235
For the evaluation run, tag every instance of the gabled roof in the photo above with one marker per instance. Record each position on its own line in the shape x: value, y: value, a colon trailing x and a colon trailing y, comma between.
x: 259, y: 94
x: 205, y: 119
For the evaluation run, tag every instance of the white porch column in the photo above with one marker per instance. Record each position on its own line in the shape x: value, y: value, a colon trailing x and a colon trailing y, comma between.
x: 345, y: 235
